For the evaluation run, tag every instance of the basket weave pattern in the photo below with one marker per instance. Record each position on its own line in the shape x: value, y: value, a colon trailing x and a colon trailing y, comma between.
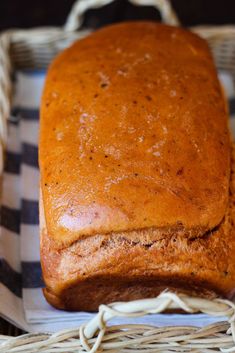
x: 96, y: 336
x: 35, y: 49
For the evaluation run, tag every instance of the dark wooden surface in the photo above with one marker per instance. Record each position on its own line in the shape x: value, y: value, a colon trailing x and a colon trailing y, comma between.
x: 31, y: 13
x: 9, y: 330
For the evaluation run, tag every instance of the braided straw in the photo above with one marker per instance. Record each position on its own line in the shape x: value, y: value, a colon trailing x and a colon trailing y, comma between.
x: 5, y: 89
x: 222, y: 43
x: 75, y: 17
x: 95, y: 336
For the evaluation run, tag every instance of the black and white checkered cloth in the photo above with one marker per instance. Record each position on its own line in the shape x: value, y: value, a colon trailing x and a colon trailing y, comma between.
x: 21, y: 298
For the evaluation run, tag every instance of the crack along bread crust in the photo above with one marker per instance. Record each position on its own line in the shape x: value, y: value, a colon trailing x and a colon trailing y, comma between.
x: 107, y: 268
x: 135, y: 167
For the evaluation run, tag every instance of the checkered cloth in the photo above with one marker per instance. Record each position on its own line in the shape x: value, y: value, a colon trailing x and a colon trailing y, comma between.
x: 21, y: 298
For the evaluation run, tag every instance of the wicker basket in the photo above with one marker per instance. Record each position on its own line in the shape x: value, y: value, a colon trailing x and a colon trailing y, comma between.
x: 35, y: 49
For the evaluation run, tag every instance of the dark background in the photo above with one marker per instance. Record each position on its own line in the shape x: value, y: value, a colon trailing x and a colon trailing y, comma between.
x: 31, y: 13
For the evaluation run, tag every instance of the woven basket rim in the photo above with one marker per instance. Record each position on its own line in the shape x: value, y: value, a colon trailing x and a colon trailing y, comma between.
x: 96, y: 335
x: 146, y: 337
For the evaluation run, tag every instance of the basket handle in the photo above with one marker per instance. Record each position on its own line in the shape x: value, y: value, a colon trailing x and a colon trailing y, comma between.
x: 165, y: 300
x: 96, y: 336
x: 75, y: 17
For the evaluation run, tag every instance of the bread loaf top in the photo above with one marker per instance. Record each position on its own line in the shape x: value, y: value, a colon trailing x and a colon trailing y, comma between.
x: 133, y: 135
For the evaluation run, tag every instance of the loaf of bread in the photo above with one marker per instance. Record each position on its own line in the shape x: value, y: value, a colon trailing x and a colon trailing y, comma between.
x: 136, y: 186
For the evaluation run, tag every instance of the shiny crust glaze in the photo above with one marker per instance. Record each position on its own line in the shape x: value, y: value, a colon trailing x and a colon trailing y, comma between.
x: 133, y: 135
x: 106, y: 268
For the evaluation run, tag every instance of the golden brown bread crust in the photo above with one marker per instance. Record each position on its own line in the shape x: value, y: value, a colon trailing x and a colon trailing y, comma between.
x: 135, y: 166
x: 107, y: 268
x: 133, y: 136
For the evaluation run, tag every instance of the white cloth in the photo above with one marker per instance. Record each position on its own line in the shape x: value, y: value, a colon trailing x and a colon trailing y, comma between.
x: 21, y: 298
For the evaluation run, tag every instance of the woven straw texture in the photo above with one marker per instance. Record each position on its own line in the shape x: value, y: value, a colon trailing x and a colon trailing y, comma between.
x: 96, y: 336
x: 35, y: 49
